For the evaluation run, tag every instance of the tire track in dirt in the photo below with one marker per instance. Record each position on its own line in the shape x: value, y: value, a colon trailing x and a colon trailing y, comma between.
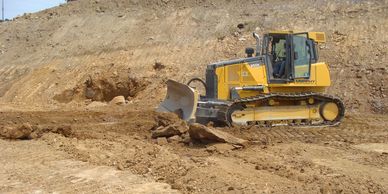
x: 316, y: 135
x: 304, y: 170
x: 36, y: 161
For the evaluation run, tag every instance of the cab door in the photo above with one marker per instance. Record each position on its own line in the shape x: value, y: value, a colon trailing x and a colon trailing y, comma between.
x: 301, y: 53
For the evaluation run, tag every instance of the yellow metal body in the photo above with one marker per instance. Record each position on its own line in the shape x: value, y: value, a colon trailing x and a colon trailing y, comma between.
x: 243, y: 74
x: 330, y: 111
x: 276, y: 113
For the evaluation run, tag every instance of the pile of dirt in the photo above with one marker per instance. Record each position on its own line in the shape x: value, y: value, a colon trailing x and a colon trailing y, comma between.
x: 26, y: 131
x: 170, y: 129
x: 103, y: 89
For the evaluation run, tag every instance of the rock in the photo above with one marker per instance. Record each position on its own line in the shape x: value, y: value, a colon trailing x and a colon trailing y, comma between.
x: 211, y: 149
x: 158, y: 66
x: 34, y: 135
x: 175, y: 138
x: 22, y: 132
x: 120, y: 166
x: 186, y: 138
x: 156, y: 127
x: 168, y: 131
x: 240, y: 26
x: 118, y: 100
x: 96, y: 104
x: 165, y: 119
x: 90, y: 93
x: 220, y: 148
x: 207, y: 134
x: 242, y: 39
x: 65, y: 131
x: 100, y: 10
x: 161, y: 141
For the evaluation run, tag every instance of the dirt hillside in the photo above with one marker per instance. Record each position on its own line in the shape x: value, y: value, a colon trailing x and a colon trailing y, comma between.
x: 47, y: 57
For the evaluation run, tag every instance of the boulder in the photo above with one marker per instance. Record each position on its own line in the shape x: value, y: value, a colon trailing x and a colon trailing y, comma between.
x: 168, y: 131
x: 175, y: 138
x: 206, y: 134
x: 186, y: 138
x: 22, y: 132
x: 118, y: 100
x: 165, y: 119
x: 161, y: 141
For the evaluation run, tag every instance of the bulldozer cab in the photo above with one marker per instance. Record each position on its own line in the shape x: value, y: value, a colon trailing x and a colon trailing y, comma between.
x: 288, y: 56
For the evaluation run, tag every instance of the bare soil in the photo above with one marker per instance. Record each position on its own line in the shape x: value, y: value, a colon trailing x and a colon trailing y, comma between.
x: 111, y: 150
x: 59, y: 68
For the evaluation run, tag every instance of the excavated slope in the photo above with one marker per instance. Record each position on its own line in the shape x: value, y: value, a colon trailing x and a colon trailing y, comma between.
x: 97, y: 49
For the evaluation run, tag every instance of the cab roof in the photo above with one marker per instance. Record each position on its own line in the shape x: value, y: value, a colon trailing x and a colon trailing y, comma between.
x: 318, y: 37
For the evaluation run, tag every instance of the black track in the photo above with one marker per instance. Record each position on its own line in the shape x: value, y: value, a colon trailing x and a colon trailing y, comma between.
x: 240, y: 104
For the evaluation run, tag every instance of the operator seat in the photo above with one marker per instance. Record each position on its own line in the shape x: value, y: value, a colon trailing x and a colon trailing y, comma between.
x: 280, y: 64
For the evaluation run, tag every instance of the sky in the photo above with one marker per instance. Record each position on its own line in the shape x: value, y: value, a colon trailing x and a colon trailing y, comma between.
x: 13, y: 8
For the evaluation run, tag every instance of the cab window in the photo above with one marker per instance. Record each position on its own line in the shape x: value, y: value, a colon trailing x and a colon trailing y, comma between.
x: 302, y: 58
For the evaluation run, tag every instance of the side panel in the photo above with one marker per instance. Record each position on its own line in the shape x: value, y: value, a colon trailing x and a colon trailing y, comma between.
x: 243, y: 74
x: 212, y: 83
x: 239, y: 75
x: 276, y: 113
x: 322, y: 74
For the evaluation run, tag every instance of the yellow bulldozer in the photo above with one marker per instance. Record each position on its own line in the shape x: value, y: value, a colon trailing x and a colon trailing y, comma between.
x: 280, y: 82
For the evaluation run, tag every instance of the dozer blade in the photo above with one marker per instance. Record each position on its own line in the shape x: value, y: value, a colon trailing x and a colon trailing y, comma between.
x: 180, y: 99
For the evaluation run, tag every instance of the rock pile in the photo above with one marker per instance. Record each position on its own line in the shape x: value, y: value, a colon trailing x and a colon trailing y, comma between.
x: 206, y: 134
x: 171, y: 129
x: 27, y: 131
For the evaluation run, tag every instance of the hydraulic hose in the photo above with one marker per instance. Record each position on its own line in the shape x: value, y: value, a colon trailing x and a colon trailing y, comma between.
x: 199, y: 80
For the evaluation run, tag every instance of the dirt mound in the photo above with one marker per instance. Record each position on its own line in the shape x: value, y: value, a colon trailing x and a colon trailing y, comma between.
x: 106, y: 90
x: 21, y: 132
x: 166, y: 119
x: 26, y: 131
x: 103, y: 89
